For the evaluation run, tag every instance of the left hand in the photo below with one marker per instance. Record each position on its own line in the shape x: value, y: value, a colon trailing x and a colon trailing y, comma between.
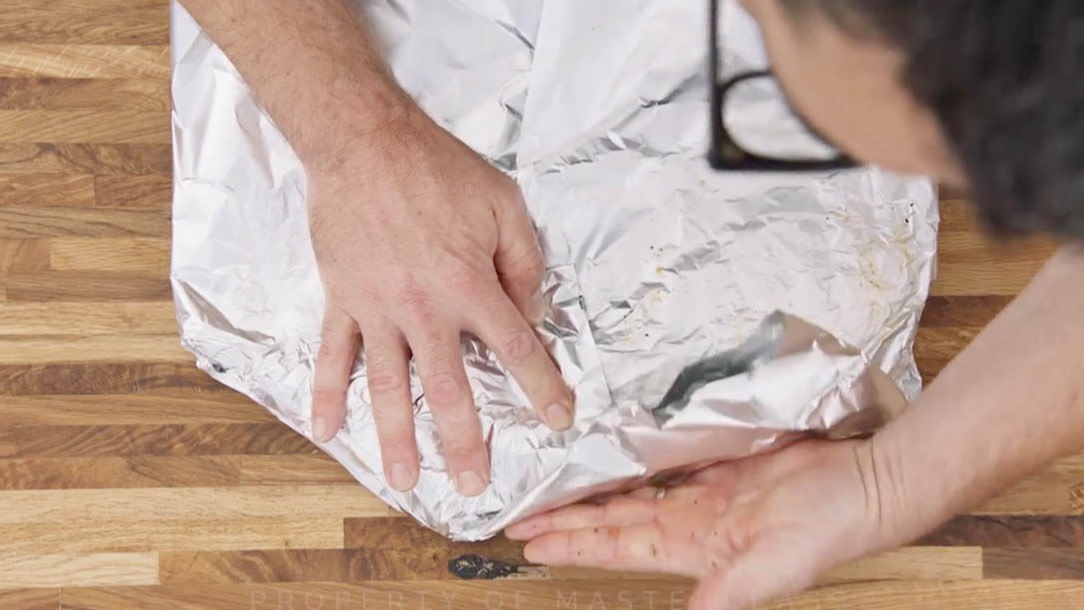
x: 750, y: 530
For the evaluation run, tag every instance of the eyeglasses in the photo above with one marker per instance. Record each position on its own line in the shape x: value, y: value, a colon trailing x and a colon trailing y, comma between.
x: 753, y: 128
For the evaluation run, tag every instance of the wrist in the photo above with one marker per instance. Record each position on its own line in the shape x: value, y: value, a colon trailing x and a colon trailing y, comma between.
x: 369, y: 125
x: 887, y: 524
x: 900, y: 512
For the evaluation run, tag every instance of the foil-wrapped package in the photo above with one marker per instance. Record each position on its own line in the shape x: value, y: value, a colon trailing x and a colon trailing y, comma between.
x: 666, y: 281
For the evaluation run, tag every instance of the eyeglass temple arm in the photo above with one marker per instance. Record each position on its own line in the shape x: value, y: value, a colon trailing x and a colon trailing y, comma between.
x: 713, y: 68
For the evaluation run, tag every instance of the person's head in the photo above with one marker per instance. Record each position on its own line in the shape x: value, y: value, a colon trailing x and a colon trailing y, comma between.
x: 984, y: 95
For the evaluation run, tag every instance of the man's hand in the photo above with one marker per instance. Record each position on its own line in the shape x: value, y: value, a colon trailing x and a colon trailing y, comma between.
x: 418, y: 240
x: 750, y: 531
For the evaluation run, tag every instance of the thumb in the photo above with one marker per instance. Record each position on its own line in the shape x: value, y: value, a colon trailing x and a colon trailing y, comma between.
x: 755, y: 579
x: 519, y: 259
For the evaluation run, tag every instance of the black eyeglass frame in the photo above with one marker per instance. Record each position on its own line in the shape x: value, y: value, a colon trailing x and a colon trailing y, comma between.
x: 725, y: 153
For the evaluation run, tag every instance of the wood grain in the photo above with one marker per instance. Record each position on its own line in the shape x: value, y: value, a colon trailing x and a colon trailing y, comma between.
x: 189, y: 503
x: 100, y: 94
x: 82, y: 570
x: 101, y: 378
x: 315, y: 469
x: 192, y: 405
x: 46, y: 190
x: 86, y: 318
x: 120, y: 472
x: 109, y: 127
x: 131, y: 23
x: 1042, y: 531
x: 34, y: 221
x: 23, y: 60
x: 147, y: 532
x: 150, y: 191
x: 207, y: 439
x: 130, y: 479
x: 142, y: 256
x: 99, y: 159
x: 30, y: 599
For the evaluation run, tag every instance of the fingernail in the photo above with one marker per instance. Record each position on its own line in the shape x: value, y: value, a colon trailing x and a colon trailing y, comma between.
x: 518, y: 531
x: 531, y: 554
x: 400, y: 477
x: 558, y: 416
x: 536, y: 308
x: 470, y: 483
x: 319, y: 429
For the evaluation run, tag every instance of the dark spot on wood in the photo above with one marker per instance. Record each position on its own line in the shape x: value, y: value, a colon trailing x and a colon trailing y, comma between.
x: 1033, y: 564
x: 1009, y: 531
x: 476, y: 567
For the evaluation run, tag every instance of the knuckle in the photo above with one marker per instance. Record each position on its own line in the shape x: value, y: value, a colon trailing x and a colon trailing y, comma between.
x: 458, y: 451
x: 461, y: 436
x: 410, y: 295
x: 612, y: 544
x: 462, y: 277
x: 530, y: 263
x: 393, y: 435
x: 385, y: 382
x: 518, y: 347
x: 326, y: 351
x: 444, y: 390
x: 330, y: 350
x: 327, y: 395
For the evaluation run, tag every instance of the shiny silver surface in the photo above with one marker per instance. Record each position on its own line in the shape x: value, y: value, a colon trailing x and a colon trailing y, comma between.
x: 599, y: 110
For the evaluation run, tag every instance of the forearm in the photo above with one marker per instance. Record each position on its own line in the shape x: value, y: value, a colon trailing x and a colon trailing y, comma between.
x: 1009, y: 404
x: 312, y: 64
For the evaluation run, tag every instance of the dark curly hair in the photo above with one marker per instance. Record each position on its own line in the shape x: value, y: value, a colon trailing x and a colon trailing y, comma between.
x: 1005, y: 79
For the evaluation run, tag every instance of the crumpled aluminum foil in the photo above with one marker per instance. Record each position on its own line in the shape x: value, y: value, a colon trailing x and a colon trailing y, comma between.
x: 599, y: 111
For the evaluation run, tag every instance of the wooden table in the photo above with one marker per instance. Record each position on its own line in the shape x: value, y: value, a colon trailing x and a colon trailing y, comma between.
x: 128, y: 479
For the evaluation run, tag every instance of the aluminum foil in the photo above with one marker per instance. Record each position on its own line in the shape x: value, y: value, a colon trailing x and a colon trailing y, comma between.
x: 599, y: 111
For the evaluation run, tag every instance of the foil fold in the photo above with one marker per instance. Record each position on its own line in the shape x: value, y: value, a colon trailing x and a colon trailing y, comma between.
x: 791, y: 302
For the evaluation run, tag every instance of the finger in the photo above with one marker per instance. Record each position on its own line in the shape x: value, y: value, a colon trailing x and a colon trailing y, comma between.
x: 339, y: 341
x: 388, y: 371
x: 721, y: 475
x: 680, y: 495
x: 440, y: 365
x: 516, y: 345
x: 519, y: 259
x: 646, y: 547
x: 618, y: 512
